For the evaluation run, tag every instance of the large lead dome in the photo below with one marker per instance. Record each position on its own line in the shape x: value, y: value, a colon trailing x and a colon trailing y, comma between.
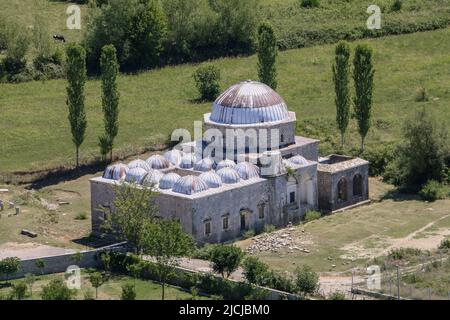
x: 249, y: 102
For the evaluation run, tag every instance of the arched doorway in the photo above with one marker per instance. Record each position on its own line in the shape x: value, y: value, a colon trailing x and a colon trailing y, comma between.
x: 342, y: 190
x: 291, y: 192
x: 307, y: 191
x: 245, y: 219
x: 357, y: 185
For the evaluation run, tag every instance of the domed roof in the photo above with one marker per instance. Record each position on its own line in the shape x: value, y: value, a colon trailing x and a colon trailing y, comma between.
x: 158, y: 162
x: 212, y: 179
x: 247, y: 170
x: 168, y: 180
x: 174, y: 156
x: 152, y: 178
x: 298, y: 160
x: 187, y: 161
x: 190, y: 185
x: 249, y: 102
x: 205, y: 164
x: 229, y: 175
x: 136, y: 175
x: 116, y: 172
x: 225, y: 164
x: 138, y: 163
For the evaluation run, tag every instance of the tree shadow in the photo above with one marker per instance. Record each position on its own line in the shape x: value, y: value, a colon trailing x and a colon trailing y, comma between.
x: 400, y: 194
x: 95, y: 242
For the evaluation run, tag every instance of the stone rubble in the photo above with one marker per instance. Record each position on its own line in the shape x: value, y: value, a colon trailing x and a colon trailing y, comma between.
x: 277, y: 241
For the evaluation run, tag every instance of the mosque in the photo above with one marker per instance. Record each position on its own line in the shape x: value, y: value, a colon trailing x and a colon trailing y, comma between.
x: 258, y: 173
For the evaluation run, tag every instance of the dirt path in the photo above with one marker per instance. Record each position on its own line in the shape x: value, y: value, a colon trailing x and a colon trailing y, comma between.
x: 29, y: 250
x: 357, y: 250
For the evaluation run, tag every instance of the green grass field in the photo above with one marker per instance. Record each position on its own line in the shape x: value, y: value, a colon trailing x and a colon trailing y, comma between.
x: 111, y: 290
x: 36, y: 135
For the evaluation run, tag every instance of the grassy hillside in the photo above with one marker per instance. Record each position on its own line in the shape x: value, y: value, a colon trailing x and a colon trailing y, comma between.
x: 35, y: 131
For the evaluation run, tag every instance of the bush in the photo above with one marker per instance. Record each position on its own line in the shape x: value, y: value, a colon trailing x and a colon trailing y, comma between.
x: 255, y: 271
x: 404, y: 253
x: 433, y: 191
x: 280, y: 282
x: 128, y: 292
x: 226, y: 259
x: 248, y: 234
x: 312, y: 215
x: 269, y: 228
x: 81, y: 216
x: 204, y: 253
x: 307, y: 280
x: 57, y: 290
x: 19, y: 290
x: 445, y: 244
x: 397, y: 5
x: 309, y: 3
x: 336, y: 295
x: 207, y: 81
x: 379, y: 158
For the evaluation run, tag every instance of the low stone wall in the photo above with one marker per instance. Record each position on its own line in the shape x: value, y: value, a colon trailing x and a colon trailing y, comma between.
x: 60, y: 263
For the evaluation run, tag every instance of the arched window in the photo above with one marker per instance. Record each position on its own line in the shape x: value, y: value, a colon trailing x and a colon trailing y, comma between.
x: 291, y: 191
x: 357, y: 185
x: 342, y: 190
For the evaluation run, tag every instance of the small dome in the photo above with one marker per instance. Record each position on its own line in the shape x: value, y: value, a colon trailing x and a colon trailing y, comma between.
x: 187, y: 161
x: 229, y: 175
x: 225, y: 164
x: 136, y: 175
x: 116, y: 172
x: 138, y: 163
x: 158, y: 162
x: 212, y: 179
x: 174, y: 156
x: 298, y: 160
x: 247, y: 170
x: 152, y: 178
x: 168, y: 180
x: 190, y: 185
x: 205, y: 164
x: 249, y: 102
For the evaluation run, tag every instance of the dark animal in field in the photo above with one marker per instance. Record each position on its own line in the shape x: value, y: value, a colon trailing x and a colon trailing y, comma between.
x: 59, y: 37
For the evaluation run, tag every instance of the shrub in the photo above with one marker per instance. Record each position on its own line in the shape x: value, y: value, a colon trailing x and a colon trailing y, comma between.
x: 379, y: 158
x: 312, y: 215
x: 81, y: 216
x: 128, y: 292
x: 57, y: 290
x: 9, y: 266
x: 336, y: 295
x: 204, y: 253
x: 433, y: 191
x: 226, y: 259
x: 307, y: 280
x: 248, y: 234
x: 404, y: 253
x: 309, y: 3
x: 445, y: 244
x: 269, y: 228
x: 397, y: 5
x: 421, y: 94
x: 280, y: 282
x: 207, y: 81
x: 255, y: 271
x: 19, y: 290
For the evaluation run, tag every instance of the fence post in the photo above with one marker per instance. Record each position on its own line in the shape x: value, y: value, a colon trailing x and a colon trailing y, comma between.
x: 398, y: 282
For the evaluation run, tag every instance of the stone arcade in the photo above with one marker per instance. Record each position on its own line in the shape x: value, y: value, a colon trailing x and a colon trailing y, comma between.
x: 216, y: 200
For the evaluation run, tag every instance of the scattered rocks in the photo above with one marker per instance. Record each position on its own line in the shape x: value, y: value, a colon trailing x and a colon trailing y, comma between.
x: 279, y: 241
x: 49, y: 206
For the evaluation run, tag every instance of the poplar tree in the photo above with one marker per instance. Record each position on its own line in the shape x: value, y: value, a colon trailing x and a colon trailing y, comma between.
x: 341, y: 78
x: 76, y: 79
x: 110, y: 99
x: 363, y: 74
x: 267, y: 55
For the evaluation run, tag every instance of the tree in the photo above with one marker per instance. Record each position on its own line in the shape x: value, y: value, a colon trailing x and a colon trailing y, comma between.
x: 57, y: 290
x: 110, y: 99
x: 77, y: 257
x: 76, y: 78
x: 307, y: 280
x: 255, y: 271
x: 19, y: 290
x: 9, y: 266
x: 267, y: 55
x: 148, y: 28
x: 29, y: 280
x: 105, y: 257
x: 341, y: 78
x: 135, y: 270
x: 363, y: 74
x: 128, y: 292
x: 226, y: 259
x: 96, y: 279
x: 207, y: 80
x: 166, y: 241
x: 133, y: 208
x: 40, y: 264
